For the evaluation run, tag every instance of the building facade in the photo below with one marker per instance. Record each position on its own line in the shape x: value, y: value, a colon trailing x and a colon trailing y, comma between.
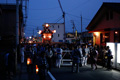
x: 8, y: 25
x: 77, y: 37
x: 60, y: 31
x: 105, y: 25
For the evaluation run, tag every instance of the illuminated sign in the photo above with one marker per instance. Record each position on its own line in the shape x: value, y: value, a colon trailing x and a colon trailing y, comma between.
x: 118, y: 53
x: 112, y: 48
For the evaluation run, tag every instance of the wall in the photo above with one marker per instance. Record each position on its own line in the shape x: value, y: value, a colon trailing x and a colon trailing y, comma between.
x: 8, y: 27
x: 60, y: 31
x: 113, y: 23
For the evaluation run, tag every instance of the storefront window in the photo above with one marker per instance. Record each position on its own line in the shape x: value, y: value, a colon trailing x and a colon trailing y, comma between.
x: 117, y: 36
x: 107, y: 37
x: 104, y: 37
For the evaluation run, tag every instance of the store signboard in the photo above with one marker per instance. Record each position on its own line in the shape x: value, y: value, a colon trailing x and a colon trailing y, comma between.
x: 118, y: 52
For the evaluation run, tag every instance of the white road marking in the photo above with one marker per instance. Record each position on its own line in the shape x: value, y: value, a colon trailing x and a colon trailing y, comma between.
x: 52, y: 77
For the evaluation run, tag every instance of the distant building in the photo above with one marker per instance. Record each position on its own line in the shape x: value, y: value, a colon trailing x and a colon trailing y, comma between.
x: 105, y: 25
x: 8, y: 25
x: 70, y: 37
x: 86, y: 37
x: 60, y: 31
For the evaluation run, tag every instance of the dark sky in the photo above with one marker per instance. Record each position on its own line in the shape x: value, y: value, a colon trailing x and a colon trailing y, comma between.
x: 48, y: 11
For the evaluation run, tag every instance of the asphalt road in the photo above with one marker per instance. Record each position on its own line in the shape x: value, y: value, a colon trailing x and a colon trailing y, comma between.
x: 64, y: 73
x: 86, y: 73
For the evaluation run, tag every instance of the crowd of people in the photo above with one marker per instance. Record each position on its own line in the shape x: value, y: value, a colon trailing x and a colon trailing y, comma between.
x: 80, y: 54
x: 51, y: 56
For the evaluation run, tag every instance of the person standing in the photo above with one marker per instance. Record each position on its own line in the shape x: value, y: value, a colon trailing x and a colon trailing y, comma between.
x: 22, y: 54
x: 87, y: 51
x: 91, y: 56
x: 76, y: 59
x: 95, y: 56
x: 59, y: 56
x: 80, y: 50
x: 109, y: 57
x: 54, y: 54
x: 83, y: 53
x: 49, y: 55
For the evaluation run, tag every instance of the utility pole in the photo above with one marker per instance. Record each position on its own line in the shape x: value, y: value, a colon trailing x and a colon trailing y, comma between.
x: 33, y: 32
x: 63, y: 18
x: 6, y: 1
x: 73, y: 26
x: 64, y: 26
x: 81, y: 28
x: 17, y: 31
x: 37, y: 33
x: 75, y: 33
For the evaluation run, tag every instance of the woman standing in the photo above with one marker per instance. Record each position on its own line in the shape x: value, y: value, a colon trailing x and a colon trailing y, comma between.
x: 22, y: 54
x: 87, y: 51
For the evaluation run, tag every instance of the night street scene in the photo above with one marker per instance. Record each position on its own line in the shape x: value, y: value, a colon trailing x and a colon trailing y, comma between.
x: 59, y: 39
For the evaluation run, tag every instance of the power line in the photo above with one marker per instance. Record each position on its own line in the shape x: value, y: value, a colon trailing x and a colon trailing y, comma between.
x: 43, y: 18
x: 44, y: 9
x: 79, y: 5
x: 78, y: 16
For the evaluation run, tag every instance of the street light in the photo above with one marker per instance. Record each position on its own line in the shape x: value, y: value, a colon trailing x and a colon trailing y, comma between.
x: 30, y: 37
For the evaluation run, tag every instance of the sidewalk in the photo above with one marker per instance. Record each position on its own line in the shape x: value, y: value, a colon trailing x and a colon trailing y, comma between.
x: 22, y: 74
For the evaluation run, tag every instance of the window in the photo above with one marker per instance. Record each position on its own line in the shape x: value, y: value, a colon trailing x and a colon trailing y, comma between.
x: 107, y: 15
x: 53, y: 26
x: 116, y: 36
x: 58, y: 35
x: 58, y: 26
x: 111, y: 14
x: 107, y: 37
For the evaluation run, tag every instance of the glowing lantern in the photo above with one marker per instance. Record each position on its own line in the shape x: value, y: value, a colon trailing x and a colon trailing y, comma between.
x: 96, y: 33
x: 28, y: 61
x: 49, y: 36
x: 47, y: 25
x: 39, y: 32
x: 37, y: 69
x: 116, y: 32
x: 30, y: 37
x: 44, y: 36
x: 54, y: 31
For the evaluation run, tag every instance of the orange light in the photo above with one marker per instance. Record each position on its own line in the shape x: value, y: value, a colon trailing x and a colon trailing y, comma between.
x: 37, y: 69
x: 49, y: 36
x: 47, y: 25
x: 28, y: 61
x: 116, y: 32
x: 96, y: 33
x: 30, y: 41
x: 44, y: 36
x: 39, y: 32
x: 54, y: 31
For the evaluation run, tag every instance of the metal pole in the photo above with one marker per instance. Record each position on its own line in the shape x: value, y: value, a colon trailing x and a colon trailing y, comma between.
x: 33, y: 32
x: 81, y: 28
x: 6, y: 1
x: 17, y: 31
x: 64, y: 26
